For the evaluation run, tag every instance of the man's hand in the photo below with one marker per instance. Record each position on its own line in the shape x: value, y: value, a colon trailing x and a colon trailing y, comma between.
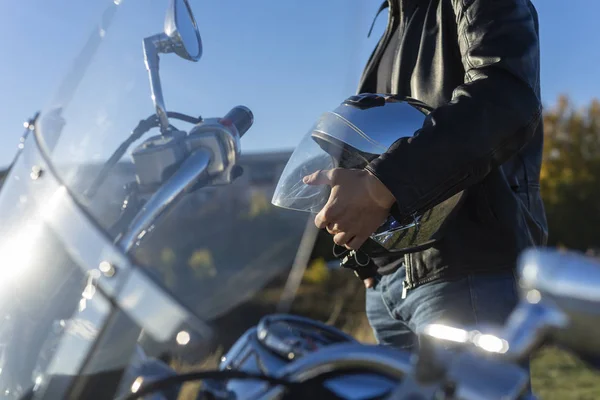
x: 358, y: 204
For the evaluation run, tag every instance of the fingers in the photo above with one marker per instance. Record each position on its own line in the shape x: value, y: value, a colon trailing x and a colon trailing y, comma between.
x: 356, y: 242
x: 369, y: 282
x: 320, y: 222
x: 342, y: 238
x: 319, y: 178
x: 331, y: 210
x: 327, y: 215
x: 349, y: 240
x: 334, y: 228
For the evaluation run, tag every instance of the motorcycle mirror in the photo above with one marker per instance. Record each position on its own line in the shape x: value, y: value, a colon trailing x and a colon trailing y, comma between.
x: 182, y: 30
x: 180, y: 36
x: 566, y: 283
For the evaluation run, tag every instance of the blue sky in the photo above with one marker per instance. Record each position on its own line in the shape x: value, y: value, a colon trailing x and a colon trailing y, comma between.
x: 287, y: 60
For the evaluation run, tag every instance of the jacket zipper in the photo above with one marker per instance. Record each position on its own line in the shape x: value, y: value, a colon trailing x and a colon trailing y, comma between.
x: 405, y: 287
x: 407, y: 282
x: 408, y: 286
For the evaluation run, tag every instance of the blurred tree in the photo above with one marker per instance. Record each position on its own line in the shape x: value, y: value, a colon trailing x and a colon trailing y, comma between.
x: 201, y: 262
x: 570, y: 176
x: 167, y: 266
x: 259, y: 204
x: 317, y: 272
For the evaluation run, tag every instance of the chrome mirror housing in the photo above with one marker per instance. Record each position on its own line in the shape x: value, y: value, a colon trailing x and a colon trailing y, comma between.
x: 560, y: 303
x: 567, y: 284
x: 182, y: 37
x: 182, y: 30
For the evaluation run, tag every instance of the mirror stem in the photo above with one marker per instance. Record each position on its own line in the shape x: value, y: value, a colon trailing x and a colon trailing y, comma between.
x: 154, y: 45
x: 529, y: 326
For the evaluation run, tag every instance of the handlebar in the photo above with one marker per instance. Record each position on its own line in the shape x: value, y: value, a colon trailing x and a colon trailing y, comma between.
x: 241, y: 117
x: 206, y: 155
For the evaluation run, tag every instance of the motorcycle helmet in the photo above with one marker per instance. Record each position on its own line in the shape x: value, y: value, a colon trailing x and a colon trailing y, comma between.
x: 351, y: 136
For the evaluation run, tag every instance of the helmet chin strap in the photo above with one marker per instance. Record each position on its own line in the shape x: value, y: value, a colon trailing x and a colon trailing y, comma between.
x: 356, y: 260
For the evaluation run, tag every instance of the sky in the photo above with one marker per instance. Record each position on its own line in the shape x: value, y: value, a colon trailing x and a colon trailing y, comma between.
x: 288, y: 61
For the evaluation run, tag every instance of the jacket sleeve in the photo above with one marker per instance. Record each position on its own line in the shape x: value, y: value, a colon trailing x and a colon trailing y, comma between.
x: 489, y: 118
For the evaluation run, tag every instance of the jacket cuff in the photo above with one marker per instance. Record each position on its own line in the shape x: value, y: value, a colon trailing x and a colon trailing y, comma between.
x: 386, y: 170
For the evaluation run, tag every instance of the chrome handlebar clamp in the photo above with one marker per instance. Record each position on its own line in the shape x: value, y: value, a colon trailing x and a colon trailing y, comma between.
x: 223, y: 141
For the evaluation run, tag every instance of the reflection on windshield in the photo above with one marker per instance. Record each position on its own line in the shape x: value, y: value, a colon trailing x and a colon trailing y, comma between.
x: 223, y: 244
x: 19, y: 250
x: 219, y: 245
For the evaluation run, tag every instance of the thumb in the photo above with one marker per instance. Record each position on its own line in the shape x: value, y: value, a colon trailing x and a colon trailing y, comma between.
x: 322, y: 177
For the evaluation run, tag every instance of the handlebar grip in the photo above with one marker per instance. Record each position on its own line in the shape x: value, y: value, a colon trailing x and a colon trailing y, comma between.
x: 241, y: 117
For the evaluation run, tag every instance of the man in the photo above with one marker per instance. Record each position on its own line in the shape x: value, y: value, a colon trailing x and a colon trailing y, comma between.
x: 477, y: 63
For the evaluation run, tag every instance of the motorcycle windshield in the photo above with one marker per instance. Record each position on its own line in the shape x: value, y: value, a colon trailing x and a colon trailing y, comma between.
x: 42, y: 281
x: 216, y: 246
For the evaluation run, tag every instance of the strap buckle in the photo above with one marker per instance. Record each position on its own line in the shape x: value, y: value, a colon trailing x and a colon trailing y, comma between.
x: 356, y: 260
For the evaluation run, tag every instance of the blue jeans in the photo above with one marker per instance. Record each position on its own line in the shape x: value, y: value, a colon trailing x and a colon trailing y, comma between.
x: 470, y: 302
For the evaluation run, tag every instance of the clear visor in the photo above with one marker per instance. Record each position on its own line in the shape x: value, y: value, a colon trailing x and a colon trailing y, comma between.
x: 292, y: 192
x: 331, y: 143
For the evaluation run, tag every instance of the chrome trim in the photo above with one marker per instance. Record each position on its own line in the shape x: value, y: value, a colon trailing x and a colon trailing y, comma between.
x: 383, y: 125
x: 167, y: 42
x: 480, y: 378
x: 381, y: 359
x: 84, y: 240
x: 191, y: 171
x: 172, y: 31
x: 153, y: 158
x: 74, y: 348
x: 560, y: 274
x: 152, y: 47
x: 92, y: 250
x: 528, y: 327
x: 163, y: 317
x: 566, y: 285
x: 223, y: 144
x: 288, y: 350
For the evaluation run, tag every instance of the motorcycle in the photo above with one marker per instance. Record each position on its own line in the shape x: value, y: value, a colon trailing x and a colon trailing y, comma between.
x: 559, y: 303
x: 95, y: 301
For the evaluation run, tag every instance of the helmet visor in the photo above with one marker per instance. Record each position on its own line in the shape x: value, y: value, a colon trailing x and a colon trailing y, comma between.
x: 291, y: 191
x: 331, y: 143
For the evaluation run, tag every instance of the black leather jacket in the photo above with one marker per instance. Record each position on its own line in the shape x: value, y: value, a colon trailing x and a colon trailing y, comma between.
x: 477, y: 63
